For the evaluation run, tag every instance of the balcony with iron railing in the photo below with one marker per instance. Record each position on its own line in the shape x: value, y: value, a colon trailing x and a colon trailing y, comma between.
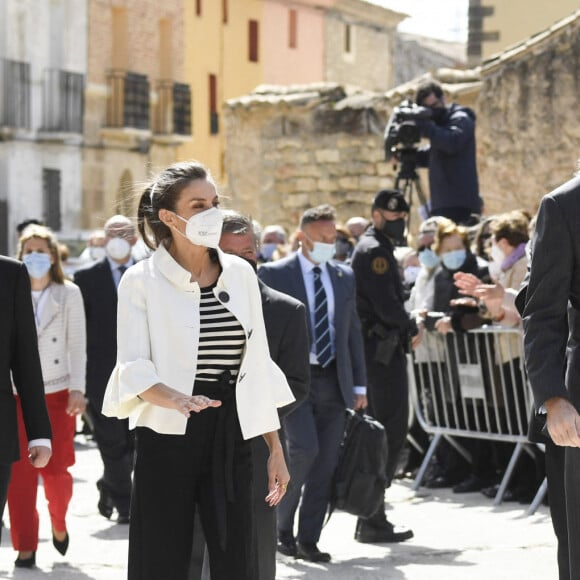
x: 63, y: 101
x: 14, y: 95
x: 173, y: 111
x: 128, y: 101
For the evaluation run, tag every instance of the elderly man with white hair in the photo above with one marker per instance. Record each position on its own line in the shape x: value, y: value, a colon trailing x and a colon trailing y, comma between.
x: 356, y: 226
x: 98, y: 284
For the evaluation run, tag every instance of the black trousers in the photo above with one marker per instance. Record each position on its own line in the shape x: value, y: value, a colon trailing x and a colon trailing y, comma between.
x: 115, y: 443
x: 175, y: 475
x: 555, y: 466
x: 388, y: 397
x: 264, y: 524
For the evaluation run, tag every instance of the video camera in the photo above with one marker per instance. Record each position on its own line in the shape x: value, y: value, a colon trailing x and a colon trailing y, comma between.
x: 402, y: 128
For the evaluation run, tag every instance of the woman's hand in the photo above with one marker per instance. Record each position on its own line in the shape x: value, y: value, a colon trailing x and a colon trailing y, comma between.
x: 185, y: 404
x: 77, y: 403
x: 468, y: 302
x: 164, y: 396
x: 278, y: 475
x: 418, y: 338
x: 39, y: 456
x: 467, y: 283
x: 443, y: 325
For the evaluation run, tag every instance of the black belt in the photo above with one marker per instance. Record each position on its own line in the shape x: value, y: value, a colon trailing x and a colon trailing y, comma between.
x: 223, y: 446
x: 320, y: 370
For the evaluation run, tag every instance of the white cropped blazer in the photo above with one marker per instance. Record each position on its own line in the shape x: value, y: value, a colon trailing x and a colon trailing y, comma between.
x: 157, y: 339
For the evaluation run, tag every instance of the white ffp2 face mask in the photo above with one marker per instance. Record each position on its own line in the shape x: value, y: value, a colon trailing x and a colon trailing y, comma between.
x: 204, y: 228
x: 118, y: 248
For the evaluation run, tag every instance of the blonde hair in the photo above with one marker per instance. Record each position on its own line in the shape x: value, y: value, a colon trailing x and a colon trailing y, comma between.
x: 44, y: 233
x: 446, y: 229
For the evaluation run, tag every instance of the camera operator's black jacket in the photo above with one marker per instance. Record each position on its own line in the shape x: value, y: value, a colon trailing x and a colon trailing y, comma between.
x: 379, y: 289
x: 451, y: 159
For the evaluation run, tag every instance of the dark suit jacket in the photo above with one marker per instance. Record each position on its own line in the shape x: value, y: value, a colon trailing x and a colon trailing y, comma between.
x: 550, y: 298
x: 286, y: 276
x: 288, y: 340
x: 19, y: 354
x: 100, y: 298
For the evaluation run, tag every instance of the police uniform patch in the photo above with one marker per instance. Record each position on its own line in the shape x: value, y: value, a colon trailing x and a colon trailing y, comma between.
x: 392, y: 204
x: 380, y: 265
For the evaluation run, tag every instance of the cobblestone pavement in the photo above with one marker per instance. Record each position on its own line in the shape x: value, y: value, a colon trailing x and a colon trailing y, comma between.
x: 457, y: 537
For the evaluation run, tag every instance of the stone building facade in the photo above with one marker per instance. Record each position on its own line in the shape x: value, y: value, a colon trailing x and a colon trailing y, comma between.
x: 138, y: 109
x: 42, y: 78
x: 296, y: 147
x: 359, y: 42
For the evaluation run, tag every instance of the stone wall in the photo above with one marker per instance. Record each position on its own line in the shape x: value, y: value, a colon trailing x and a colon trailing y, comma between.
x: 529, y: 120
x: 292, y: 149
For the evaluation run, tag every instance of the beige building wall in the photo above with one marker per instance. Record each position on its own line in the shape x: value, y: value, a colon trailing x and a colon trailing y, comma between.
x: 504, y: 22
x: 217, y: 43
x: 359, y: 43
x: 128, y: 36
x: 294, y: 41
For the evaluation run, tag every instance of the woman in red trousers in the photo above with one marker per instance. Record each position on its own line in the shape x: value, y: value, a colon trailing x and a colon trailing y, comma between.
x: 60, y: 323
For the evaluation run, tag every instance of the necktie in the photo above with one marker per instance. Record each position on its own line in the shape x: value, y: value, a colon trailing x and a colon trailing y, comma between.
x: 321, y: 323
x: 121, y: 269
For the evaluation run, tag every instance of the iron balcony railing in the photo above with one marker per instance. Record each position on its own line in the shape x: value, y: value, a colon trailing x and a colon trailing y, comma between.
x: 128, y: 104
x: 173, y: 109
x: 63, y: 101
x: 15, y: 94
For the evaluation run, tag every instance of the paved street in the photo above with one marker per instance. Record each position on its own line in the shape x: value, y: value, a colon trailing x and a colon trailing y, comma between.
x: 456, y: 537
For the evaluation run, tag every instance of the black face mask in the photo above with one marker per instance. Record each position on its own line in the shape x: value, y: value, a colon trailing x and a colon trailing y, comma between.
x: 394, y: 229
x: 252, y: 263
x: 438, y: 115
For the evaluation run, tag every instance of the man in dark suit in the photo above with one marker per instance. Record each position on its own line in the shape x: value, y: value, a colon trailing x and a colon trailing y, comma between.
x: 338, y: 378
x: 549, y: 302
x: 98, y: 284
x: 19, y: 356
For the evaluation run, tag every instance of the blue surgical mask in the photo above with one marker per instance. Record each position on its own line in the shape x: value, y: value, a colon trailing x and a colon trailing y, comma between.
x: 429, y: 258
x: 267, y: 250
x: 322, y: 253
x: 454, y: 260
x: 37, y: 263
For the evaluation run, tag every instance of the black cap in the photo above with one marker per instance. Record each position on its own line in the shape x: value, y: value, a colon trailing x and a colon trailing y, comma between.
x: 391, y: 200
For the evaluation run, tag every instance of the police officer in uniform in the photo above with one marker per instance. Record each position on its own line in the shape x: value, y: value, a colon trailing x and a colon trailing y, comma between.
x: 386, y: 328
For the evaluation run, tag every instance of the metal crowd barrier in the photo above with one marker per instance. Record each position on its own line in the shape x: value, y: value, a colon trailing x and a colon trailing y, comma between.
x: 473, y: 385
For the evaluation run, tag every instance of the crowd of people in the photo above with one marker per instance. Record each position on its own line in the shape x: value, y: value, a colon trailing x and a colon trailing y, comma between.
x: 145, y: 349
x: 212, y: 360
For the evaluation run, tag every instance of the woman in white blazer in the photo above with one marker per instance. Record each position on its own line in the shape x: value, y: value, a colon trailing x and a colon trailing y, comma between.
x: 195, y: 379
x: 60, y: 324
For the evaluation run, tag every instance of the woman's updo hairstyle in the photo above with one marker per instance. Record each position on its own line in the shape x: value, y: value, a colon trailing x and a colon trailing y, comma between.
x: 163, y: 193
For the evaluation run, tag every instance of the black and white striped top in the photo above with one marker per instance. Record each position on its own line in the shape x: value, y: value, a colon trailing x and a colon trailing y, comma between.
x: 221, y: 339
